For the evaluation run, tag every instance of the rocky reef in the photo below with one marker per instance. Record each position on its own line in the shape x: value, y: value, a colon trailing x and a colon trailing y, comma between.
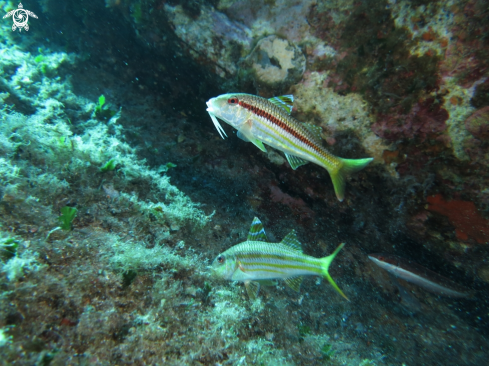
x: 116, y: 191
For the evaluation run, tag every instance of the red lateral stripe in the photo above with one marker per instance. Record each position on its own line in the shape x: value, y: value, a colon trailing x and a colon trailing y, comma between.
x: 278, y: 122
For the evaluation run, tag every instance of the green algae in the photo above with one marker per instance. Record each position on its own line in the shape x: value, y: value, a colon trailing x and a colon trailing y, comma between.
x: 8, y: 248
x: 67, y: 216
x: 109, y: 166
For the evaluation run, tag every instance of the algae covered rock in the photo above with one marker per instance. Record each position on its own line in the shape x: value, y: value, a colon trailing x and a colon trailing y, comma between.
x: 276, y: 62
x: 210, y: 38
x: 478, y: 124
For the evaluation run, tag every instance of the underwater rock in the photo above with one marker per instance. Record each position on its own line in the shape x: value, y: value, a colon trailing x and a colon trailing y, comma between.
x: 480, y: 97
x: 427, y: 22
x: 478, y: 124
x: 211, y: 38
x: 425, y: 120
x: 483, y: 272
x: 457, y: 104
x: 337, y: 113
x: 286, y: 18
x: 276, y: 62
x: 297, y: 205
x: 464, y: 216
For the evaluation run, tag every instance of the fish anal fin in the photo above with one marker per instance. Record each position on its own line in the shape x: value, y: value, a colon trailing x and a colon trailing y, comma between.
x: 294, y: 282
x: 291, y: 241
x: 295, y: 161
x: 252, y: 288
x: 286, y: 102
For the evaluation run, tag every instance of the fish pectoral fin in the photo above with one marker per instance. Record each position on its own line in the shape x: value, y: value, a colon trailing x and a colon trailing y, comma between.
x: 243, y: 137
x: 239, y: 274
x: 294, y: 282
x: 244, y: 133
x: 295, y: 161
x: 252, y: 288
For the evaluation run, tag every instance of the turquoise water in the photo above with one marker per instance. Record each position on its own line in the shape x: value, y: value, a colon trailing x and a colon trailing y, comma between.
x: 117, y: 192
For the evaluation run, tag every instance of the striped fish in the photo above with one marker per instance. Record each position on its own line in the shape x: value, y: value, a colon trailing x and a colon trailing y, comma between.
x: 268, y: 121
x: 256, y: 262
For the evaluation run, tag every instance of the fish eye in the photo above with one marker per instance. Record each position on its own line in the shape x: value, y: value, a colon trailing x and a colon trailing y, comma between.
x: 220, y: 259
x: 233, y: 100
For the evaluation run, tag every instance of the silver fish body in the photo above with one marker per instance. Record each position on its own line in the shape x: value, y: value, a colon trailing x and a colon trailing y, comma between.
x: 420, y: 276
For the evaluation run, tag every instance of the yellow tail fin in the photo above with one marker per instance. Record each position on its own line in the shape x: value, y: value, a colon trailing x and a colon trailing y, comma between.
x: 347, y: 167
x: 325, y: 262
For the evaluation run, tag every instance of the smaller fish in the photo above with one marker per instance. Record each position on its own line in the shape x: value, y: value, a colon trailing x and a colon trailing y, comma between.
x: 421, y: 276
x: 256, y: 262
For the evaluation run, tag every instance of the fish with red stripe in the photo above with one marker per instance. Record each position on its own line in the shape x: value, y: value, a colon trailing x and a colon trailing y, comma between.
x: 268, y: 121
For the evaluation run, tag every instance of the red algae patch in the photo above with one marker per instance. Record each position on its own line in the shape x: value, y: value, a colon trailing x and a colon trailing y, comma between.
x: 425, y: 120
x: 464, y: 216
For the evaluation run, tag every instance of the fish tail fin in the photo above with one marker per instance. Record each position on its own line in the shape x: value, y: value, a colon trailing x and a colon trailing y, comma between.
x: 325, y: 262
x: 347, y: 166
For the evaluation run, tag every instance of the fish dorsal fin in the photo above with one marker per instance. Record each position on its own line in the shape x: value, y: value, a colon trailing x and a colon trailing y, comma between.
x: 295, y: 161
x: 252, y: 288
x: 257, y: 232
x: 316, y: 131
x: 294, y: 282
x: 286, y: 102
x: 292, y: 241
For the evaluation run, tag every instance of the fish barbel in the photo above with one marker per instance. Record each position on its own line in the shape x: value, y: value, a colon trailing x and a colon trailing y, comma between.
x: 256, y: 262
x: 421, y: 276
x: 259, y: 120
